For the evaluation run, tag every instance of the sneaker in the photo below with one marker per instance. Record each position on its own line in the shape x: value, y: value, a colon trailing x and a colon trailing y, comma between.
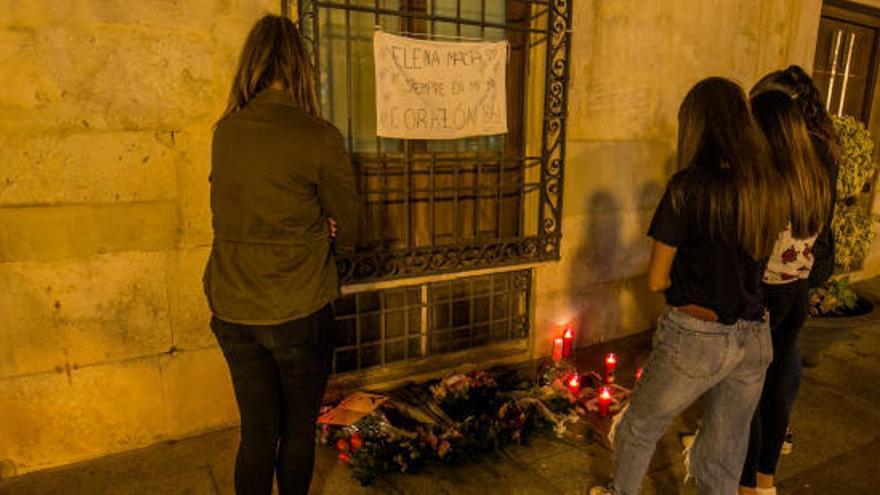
x: 788, y: 443
x: 600, y: 490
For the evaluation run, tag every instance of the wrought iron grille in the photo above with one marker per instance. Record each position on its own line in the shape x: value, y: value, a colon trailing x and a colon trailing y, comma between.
x: 407, y: 323
x: 449, y: 205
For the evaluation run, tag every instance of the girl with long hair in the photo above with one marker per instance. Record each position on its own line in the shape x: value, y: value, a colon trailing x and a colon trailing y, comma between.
x: 282, y: 199
x: 716, y: 223
x: 786, y: 286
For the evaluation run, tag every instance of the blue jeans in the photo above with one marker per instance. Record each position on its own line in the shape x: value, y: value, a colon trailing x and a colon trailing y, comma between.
x: 691, y: 358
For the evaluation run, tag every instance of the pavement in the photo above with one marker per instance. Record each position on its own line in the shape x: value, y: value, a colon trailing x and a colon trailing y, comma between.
x: 836, y: 423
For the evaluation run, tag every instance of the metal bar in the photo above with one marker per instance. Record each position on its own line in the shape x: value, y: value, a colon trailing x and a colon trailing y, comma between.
x: 837, y: 38
x: 424, y: 16
x: 852, y: 41
x: 431, y: 213
x: 476, y: 206
x: 357, y: 330
x: 408, y: 225
x: 383, y: 312
x: 498, y: 185
x: 348, y: 71
x: 316, y: 32
x: 423, y: 340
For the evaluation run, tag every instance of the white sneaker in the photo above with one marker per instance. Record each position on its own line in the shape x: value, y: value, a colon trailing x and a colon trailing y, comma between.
x: 788, y: 443
x: 687, y: 440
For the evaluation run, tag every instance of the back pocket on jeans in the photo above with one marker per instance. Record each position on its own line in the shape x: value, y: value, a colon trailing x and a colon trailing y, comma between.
x: 696, y: 355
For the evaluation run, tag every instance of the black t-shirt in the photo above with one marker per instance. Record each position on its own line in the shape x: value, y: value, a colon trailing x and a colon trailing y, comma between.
x: 710, y: 271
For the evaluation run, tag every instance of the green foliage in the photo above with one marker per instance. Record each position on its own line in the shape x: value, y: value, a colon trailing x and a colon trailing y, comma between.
x: 835, y: 297
x: 853, y: 232
x: 852, y: 225
x: 856, y: 163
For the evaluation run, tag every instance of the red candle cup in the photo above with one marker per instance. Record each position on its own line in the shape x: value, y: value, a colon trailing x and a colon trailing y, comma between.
x: 610, y: 365
x: 557, y: 349
x: 567, y: 342
x: 604, y: 401
x: 574, y: 385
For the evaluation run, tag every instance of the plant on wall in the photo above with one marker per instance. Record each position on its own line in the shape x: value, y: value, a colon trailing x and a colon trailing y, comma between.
x: 853, y: 226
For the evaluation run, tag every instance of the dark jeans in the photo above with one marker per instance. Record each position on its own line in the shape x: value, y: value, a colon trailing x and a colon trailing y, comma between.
x: 279, y: 373
x: 788, y: 306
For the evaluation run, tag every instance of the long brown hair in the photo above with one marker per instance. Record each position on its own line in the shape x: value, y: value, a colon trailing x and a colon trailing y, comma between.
x: 719, y: 141
x: 797, y: 84
x: 274, y: 53
x: 805, y: 178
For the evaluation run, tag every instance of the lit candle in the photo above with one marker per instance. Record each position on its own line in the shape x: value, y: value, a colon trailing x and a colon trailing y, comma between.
x: 638, y: 374
x: 574, y: 385
x: 604, y: 400
x: 557, y: 349
x: 567, y: 342
x: 610, y: 364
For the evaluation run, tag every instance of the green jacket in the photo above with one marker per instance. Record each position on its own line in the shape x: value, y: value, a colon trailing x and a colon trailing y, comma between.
x: 277, y: 175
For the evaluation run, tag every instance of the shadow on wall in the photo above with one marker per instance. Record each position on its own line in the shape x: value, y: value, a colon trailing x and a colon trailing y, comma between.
x: 608, y: 286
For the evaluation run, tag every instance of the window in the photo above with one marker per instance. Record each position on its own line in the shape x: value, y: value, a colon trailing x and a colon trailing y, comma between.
x: 846, y: 58
x: 419, y: 321
x: 450, y: 205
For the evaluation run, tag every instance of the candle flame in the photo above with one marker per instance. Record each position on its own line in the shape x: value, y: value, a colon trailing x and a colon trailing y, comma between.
x: 611, y: 359
x: 575, y: 380
x: 606, y: 393
x: 557, y: 341
x: 569, y: 333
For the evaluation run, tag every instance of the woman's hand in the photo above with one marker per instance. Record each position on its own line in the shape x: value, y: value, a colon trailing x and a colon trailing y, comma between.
x: 331, y: 224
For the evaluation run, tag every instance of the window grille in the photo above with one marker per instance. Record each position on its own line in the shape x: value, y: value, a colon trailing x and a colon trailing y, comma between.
x: 415, y: 322
x: 449, y: 205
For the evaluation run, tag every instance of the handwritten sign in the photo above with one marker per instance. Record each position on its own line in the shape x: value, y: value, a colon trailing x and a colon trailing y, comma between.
x: 439, y: 90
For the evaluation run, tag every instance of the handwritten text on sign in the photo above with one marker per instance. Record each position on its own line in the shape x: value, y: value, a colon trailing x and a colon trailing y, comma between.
x: 439, y: 90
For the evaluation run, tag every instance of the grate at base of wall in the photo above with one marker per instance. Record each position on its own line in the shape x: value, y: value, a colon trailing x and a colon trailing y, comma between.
x: 419, y: 321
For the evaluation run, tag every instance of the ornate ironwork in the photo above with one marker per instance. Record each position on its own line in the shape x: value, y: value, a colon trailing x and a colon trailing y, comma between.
x: 390, y: 261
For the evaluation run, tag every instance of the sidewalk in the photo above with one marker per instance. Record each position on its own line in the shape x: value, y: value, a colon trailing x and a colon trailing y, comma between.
x: 837, y: 425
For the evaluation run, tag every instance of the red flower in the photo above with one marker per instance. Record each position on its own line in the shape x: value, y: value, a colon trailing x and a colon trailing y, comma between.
x: 789, y: 255
x: 341, y: 445
x: 356, y: 442
x: 344, y: 457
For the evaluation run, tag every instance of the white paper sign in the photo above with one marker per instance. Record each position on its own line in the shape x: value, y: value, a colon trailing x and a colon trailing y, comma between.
x: 439, y: 90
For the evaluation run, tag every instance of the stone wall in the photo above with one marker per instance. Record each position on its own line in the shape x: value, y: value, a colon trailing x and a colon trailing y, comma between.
x: 631, y: 65
x: 106, y: 109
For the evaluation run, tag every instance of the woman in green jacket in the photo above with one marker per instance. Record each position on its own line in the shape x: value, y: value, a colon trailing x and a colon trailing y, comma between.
x: 280, y: 182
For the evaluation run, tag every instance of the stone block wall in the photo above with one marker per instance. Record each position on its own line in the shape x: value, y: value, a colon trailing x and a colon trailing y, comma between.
x: 631, y: 65
x: 106, y: 110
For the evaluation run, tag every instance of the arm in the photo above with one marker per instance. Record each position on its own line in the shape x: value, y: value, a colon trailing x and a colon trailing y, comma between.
x: 338, y: 193
x: 660, y: 266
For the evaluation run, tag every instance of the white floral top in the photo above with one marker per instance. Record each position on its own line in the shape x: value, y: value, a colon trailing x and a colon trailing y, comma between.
x: 792, y: 259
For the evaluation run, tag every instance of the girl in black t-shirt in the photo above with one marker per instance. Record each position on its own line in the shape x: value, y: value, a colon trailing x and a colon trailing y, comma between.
x: 715, y: 225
